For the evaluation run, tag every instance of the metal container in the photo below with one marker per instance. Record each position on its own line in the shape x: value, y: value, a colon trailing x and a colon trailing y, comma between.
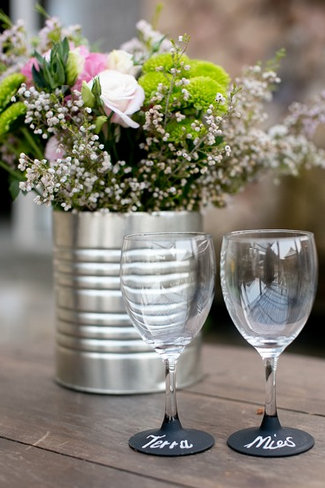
x: 97, y: 348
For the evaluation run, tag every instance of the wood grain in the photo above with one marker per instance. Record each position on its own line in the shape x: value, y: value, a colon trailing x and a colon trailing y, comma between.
x: 92, y: 430
x: 238, y: 374
x: 26, y: 466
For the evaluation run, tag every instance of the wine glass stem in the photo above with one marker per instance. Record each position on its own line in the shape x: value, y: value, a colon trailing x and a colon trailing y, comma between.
x: 171, y: 413
x: 270, y: 386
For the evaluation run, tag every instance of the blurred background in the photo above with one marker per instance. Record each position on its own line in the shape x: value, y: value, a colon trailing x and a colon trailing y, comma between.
x: 232, y: 33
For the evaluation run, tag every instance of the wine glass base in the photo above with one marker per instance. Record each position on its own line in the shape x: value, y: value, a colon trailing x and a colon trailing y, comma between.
x: 267, y: 443
x: 161, y: 442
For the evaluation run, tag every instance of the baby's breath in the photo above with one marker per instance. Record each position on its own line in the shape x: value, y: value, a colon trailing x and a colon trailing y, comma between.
x: 198, y: 138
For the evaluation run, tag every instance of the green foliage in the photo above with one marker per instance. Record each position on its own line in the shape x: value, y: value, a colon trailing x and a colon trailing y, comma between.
x: 41, y: 11
x: 273, y: 64
x: 3, y: 68
x: 13, y: 187
x: 156, y: 15
x: 96, y: 90
x: 53, y: 73
x: 92, y: 96
x: 9, y: 87
x: 100, y: 121
x: 5, y: 21
x: 10, y: 115
x: 87, y: 96
x: 72, y: 68
x: 14, y: 177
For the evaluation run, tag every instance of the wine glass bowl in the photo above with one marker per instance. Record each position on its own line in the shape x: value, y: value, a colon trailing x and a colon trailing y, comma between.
x: 167, y: 283
x: 268, y: 280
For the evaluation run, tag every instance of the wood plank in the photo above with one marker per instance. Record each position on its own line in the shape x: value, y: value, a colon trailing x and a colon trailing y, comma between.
x: 229, y: 372
x: 96, y: 428
x: 31, y: 467
x: 238, y: 373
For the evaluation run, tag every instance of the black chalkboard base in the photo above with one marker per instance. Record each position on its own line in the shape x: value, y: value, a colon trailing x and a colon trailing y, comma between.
x: 271, y: 440
x: 171, y: 440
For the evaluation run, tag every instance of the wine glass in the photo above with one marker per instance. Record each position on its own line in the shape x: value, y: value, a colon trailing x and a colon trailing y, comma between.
x: 167, y: 283
x: 268, y: 280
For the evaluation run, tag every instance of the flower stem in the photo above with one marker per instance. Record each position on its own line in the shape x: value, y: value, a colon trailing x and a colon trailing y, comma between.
x: 16, y: 174
x: 29, y: 138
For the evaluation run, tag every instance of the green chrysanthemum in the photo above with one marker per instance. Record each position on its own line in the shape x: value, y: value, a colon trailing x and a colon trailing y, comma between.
x: 202, y: 92
x: 179, y: 130
x: 164, y: 60
x: 10, y: 115
x: 150, y: 82
x: 205, y: 68
x: 9, y: 87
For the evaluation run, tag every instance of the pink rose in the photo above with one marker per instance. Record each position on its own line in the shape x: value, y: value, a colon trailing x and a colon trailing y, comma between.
x: 121, y: 94
x: 81, y: 66
x: 94, y: 63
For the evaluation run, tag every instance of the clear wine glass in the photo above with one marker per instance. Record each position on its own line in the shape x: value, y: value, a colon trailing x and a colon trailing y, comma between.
x: 268, y: 280
x: 167, y: 283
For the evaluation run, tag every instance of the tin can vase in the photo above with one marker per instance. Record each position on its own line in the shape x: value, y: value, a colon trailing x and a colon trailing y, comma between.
x: 97, y: 348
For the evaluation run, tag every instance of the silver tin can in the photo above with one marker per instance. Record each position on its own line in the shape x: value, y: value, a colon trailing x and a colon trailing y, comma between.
x: 97, y: 348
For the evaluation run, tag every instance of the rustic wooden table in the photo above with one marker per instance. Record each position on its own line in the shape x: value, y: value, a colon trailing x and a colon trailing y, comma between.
x: 55, y: 437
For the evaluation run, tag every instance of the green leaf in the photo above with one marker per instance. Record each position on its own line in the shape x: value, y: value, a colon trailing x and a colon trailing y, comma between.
x: 100, y: 121
x: 53, y: 73
x: 39, y: 58
x: 41, y: 11
x: 72, y: 68
x: 9, y: 87
x: 38, y: 78
x: 87, y: 96
x: 65, y: 49
x: 96, y: 88
x: 48, y: 77
x: 5, y: 20
x: 14, y: 189
x: 3, y: 67
x: 15, y: 174
x: 11, y: 115
x: 58, y: 72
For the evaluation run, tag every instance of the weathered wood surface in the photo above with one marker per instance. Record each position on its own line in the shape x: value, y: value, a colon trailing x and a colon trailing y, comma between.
x: 238, y: 374
x: 53, y: 437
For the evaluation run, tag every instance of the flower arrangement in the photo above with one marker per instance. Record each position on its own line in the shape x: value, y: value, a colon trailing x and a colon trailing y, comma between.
x: 142, y: 128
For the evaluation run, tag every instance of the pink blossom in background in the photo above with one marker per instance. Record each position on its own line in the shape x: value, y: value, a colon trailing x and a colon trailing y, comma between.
x: 53, y: 150
x: 27, y: 69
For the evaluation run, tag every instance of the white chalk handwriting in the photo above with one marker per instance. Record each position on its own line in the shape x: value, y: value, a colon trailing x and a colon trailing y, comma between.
x: 158, y: 442
x: 269, y: 443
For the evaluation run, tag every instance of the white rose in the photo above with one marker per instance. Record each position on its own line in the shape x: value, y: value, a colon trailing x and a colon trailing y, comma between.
x: 121, y: 94
x: 121, y: 61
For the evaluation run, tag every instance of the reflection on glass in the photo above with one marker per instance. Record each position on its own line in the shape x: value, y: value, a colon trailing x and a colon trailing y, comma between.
x: 268, y: 281
x: 167, y: 283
